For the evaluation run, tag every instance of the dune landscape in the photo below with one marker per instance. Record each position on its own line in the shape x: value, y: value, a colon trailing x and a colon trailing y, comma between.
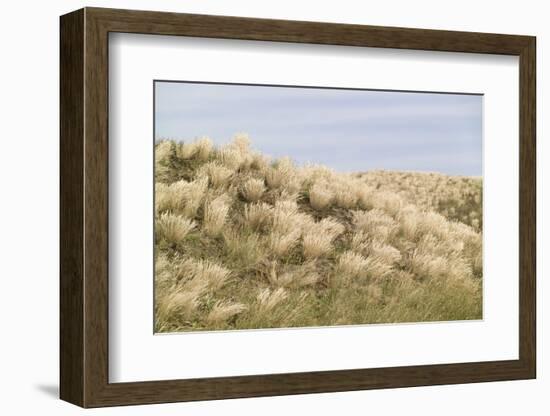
x: 243, y: 241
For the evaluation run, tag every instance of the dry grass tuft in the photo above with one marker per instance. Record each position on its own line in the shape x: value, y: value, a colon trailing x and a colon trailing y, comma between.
x: 284, y: 216
x: 218, y: 175
x: 181, y: 196
x: 280, y: 243
x: 242, y: 142
x: 223, y: 311
x: 178, y: 303
x: 164, y: 151
x: 213, y: 276
x: 203, y: 148
x: 351, y: 265
x: 243, y: 249
x: 173, y: 228
x: 318, y: 237
x: 268, y: 299
x: 231, y: 158
x: 280, y: 175
x: 253, y: 189
x: 295, y: 277
x: 257, y: 215
x: 385, y: 252
x: 320, y: 196
x: 375, y: 223
x: 316, y: 245
x: 345, y: 194
x: 215, y: 215
x: 185, y: 151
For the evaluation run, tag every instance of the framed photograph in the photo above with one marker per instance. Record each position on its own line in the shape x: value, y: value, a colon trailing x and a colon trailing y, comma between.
x: 254, y: 207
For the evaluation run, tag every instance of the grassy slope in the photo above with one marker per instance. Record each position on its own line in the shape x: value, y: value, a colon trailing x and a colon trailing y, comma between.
x: 244, y: 242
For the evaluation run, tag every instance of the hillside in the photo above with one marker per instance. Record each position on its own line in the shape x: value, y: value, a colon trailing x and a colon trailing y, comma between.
x: 245, y: 242
x: 457, y: 198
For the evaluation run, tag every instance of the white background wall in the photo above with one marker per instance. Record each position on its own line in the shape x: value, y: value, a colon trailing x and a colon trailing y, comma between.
x: 29, y: 208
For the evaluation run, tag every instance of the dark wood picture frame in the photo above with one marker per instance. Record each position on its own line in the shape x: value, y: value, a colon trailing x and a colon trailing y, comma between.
x: 84, y: 207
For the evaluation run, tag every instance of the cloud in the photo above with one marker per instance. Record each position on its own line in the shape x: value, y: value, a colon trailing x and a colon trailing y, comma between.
x: 345, y: 129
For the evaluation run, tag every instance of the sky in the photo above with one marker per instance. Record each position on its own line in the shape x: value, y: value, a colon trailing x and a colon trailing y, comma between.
x: 347, y: 130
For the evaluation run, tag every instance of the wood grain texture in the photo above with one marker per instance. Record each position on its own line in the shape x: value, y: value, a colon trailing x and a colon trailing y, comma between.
x: 71, y: 213
x: 162, y: 23
x: 84, y: 207
x: 527, y: 208
x: 96, y: 208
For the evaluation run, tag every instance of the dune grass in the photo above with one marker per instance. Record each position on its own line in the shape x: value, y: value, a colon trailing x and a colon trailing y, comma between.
x: 245, y: 242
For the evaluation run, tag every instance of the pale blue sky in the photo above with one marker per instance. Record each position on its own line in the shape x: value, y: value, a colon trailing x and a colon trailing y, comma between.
x: 348, y: 130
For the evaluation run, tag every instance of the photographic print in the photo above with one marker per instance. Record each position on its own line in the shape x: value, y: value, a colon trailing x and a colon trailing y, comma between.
x: 293, y: 206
